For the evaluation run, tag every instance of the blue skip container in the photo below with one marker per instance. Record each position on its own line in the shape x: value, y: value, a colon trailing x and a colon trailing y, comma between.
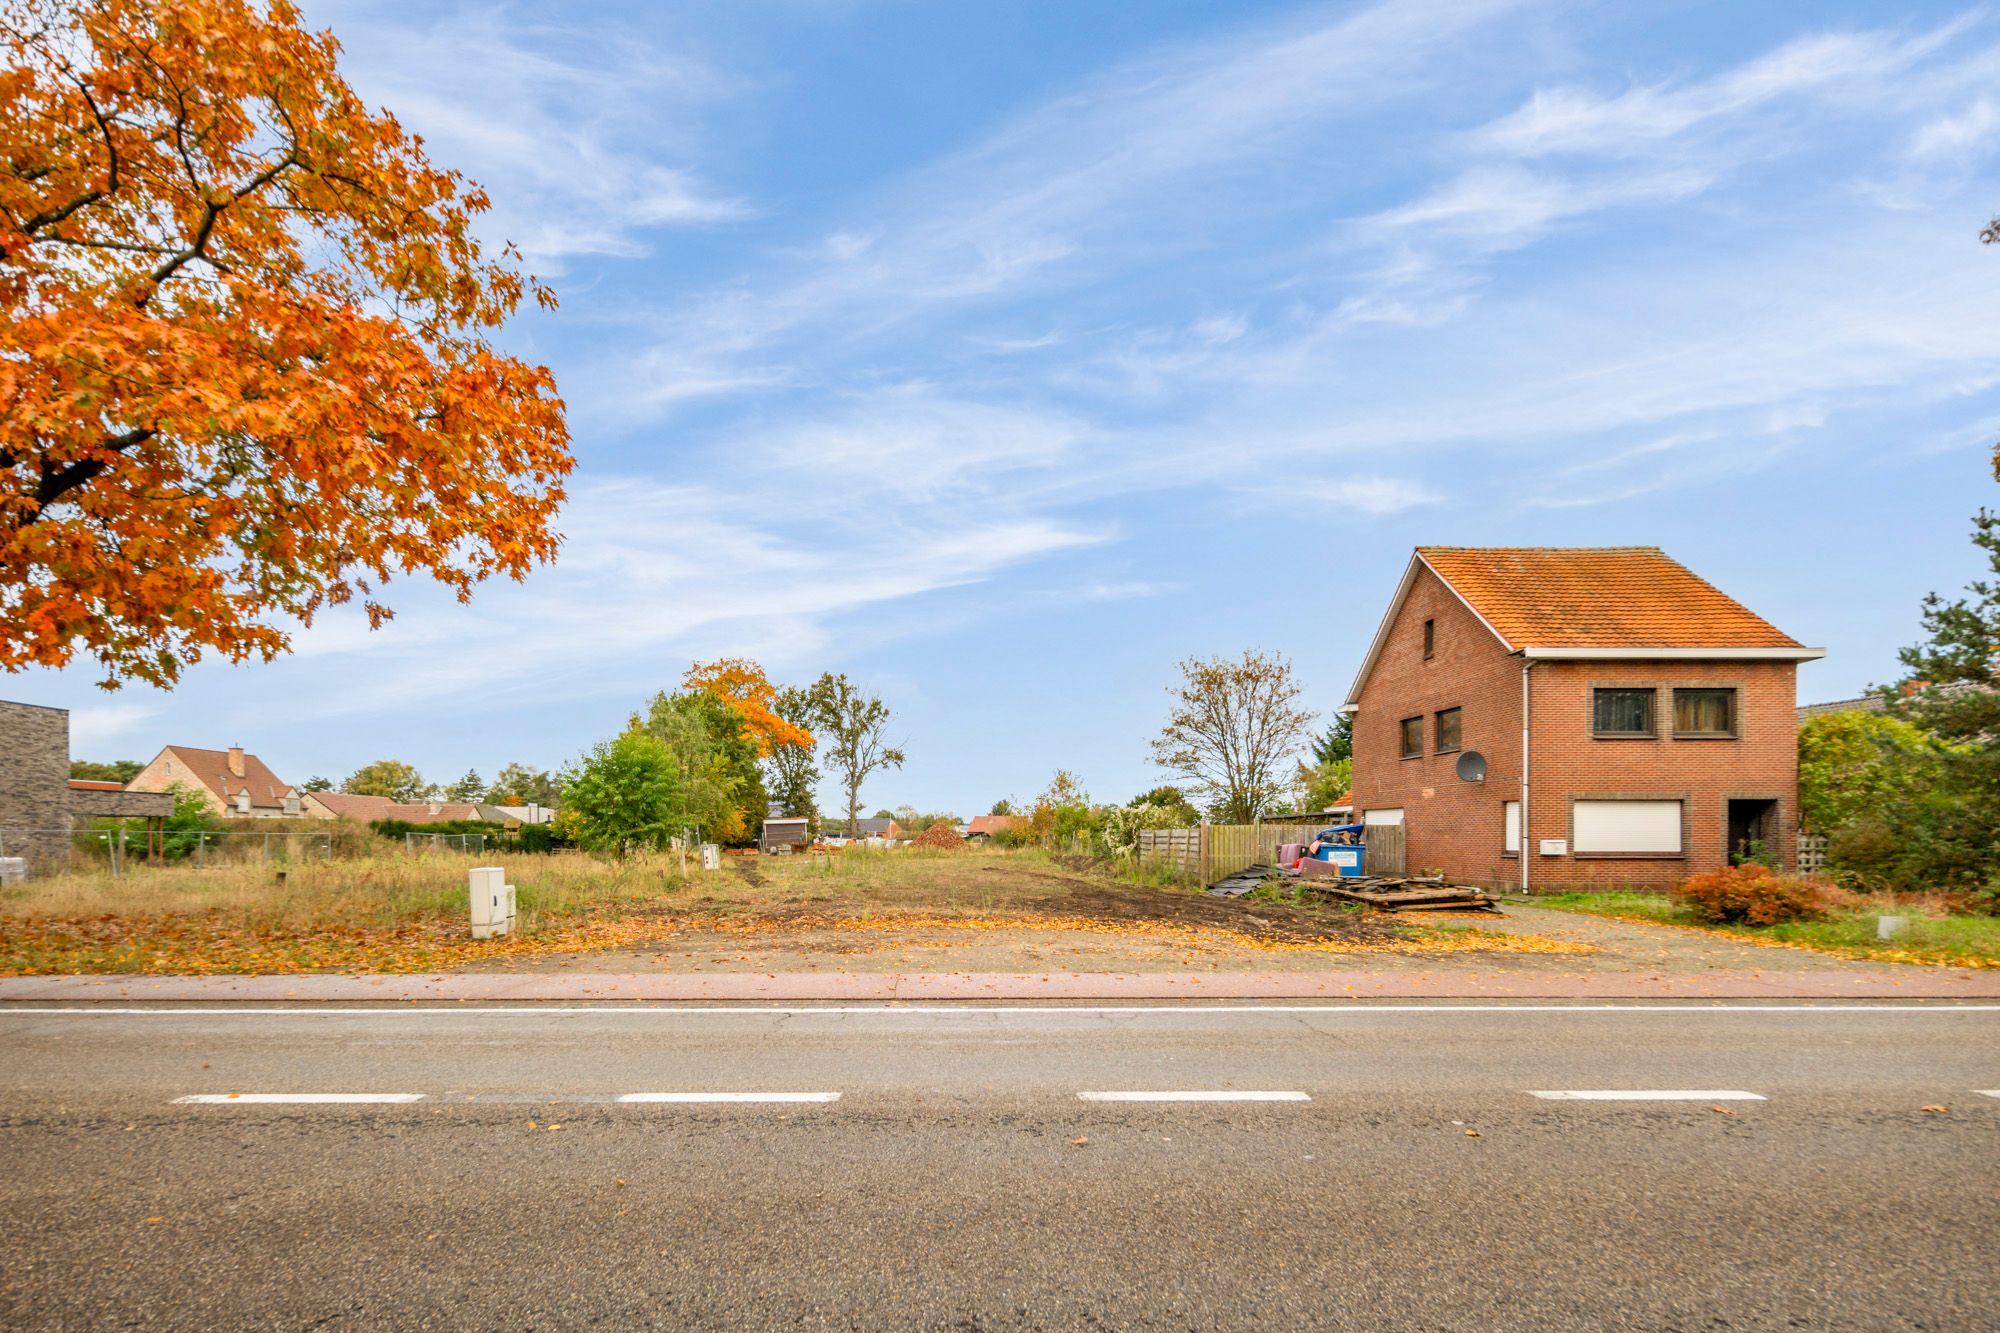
x: 1347, y: 859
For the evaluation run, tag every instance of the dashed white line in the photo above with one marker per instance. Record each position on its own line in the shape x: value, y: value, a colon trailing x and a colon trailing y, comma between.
x: 696, y: 1097
x: 295, y: 1098
x: 1988, y: 1092
x: 1650, y: 1095
x: 1190, y: 1096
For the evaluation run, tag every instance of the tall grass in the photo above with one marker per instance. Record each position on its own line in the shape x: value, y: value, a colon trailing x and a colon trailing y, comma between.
x: 377, y: 889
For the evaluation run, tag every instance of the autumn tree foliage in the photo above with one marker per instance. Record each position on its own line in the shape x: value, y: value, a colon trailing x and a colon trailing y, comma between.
x: 742, y: 684
x: 244, y: 368
x: 1234, y: 722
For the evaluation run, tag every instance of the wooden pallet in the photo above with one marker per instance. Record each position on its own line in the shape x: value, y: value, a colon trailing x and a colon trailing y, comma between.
x: 1407, y: 895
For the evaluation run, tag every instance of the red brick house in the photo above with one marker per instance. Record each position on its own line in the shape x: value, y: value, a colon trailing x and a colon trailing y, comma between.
x: 1658, y: 717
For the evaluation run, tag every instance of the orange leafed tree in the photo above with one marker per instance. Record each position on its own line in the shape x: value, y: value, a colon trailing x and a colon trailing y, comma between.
x: 742, y: 684
x: 244, y: 369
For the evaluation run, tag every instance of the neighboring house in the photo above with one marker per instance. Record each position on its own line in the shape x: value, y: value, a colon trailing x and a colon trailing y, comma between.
x: 513, y: 816
x: 1660, y: 719
x: 39, y: 802
x: 235, y: 783
x: 984, y: 827
x: 343, y: 805
x: 833, y: 831
x: 1875, y: 703
x: 431, y: 812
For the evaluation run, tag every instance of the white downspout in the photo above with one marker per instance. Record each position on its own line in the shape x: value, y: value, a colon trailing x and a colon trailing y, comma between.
x: 1526, y: 667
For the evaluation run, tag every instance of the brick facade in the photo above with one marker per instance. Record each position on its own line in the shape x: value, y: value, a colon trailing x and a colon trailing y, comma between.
x: 1459, y: 827
x: 34, y: 785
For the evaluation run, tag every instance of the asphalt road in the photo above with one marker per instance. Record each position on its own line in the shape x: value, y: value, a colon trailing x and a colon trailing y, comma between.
x: 960, y: 1180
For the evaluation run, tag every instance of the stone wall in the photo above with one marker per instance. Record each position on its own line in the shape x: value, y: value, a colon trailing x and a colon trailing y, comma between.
x: 34, y: 785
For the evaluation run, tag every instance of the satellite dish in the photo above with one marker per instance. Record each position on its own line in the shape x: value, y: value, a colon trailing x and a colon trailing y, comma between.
x: 1472, y: 766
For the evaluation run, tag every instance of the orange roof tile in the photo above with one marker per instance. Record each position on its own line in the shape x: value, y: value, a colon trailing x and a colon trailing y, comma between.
x: 211, y: 768
x: 1598, y: 597
x: 989, y: 824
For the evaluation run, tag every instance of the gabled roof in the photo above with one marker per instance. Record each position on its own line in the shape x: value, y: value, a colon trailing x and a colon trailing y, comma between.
x: 211, y: 769
x: 989, y: 824
x: 1633, y: 602
x: 430, y: 812
x: 345, y: 805
x: 1597, y: 597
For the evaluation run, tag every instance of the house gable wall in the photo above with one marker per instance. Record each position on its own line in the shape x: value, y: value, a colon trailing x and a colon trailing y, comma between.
x: 167, y: 772
x: 1449, y: 824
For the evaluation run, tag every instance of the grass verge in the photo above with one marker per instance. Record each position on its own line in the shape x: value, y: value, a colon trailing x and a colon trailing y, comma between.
x: 1932, y: 936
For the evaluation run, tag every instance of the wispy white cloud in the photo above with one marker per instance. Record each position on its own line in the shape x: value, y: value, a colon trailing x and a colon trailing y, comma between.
x: 1577, y: 120
x: 1504, y: 206
x: 655, y: 573
x: 571, y: 128
x: 100, y: 724
x: 1958, y: 136
x: 1082, y: 184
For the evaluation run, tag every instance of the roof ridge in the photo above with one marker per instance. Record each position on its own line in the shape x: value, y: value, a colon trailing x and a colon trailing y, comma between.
x: 1567, y: 550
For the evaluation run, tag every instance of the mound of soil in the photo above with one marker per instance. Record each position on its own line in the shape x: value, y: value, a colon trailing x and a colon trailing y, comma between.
x: 941, y: 836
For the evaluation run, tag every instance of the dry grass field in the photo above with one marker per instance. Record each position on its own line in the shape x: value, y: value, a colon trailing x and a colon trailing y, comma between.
x: 869, y: 909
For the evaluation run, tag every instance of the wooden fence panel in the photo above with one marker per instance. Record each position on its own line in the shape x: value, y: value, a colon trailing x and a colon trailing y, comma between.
x: 1217, y: 851
x: 1385, y: 850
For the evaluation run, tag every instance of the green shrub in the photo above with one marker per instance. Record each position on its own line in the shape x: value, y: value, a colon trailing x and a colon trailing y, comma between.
x: 1749, y: 895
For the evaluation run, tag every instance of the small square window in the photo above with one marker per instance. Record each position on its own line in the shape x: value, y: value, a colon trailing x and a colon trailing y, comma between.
x: 1447, y: 730
x: 1413, y: 737
x: 1430, y: 639
x: 1621, y: 712
x: 1704, y: 712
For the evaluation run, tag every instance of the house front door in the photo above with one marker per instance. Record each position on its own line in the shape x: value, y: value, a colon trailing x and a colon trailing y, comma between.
x: 1753, y: 832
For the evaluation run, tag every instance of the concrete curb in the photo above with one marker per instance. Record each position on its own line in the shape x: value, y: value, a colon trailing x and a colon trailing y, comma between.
x: 1844, y: 984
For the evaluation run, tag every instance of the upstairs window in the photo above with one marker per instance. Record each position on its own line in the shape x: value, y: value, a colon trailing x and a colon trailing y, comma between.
x: 1705, y: 712
x: 1447, y: 730
x: 1621, y: 712
x: 1413, y: 737
x: 1430, y: 639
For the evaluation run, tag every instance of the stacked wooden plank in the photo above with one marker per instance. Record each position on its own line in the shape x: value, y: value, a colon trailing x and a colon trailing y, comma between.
x: 1404, y: 893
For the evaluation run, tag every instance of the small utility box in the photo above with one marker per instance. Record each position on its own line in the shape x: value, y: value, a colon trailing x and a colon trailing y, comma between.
x: 711, y: 856
x: 492, y: 902
x: 13, y: 869
x: 1889, y: 927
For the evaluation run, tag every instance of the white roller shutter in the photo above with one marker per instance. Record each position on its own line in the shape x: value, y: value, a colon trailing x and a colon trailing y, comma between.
x: 1383, y: 817
x: 1627, y: 826
x: 1513, y: 843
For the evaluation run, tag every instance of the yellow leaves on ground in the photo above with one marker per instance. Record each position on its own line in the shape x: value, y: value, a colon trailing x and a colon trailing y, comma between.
x: 200, y: 943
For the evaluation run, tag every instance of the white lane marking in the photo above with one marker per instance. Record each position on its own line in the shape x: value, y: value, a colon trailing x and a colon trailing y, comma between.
x: 1652, y: 1095
x: 730, y: 1097
x: 1988, y: 1092
x: 294, y: 1098
x: 1224, y: 1096
x: 1208, y: 1008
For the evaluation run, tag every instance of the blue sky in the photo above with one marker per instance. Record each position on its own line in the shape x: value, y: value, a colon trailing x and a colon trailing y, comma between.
x: 1002, y: 355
